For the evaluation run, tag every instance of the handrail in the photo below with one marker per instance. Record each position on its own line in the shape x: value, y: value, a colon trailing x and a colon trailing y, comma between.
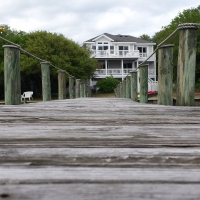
x: 180, y: 26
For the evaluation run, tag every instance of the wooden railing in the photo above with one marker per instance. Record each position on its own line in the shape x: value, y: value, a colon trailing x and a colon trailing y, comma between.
x: 77, y: 88
x: 185, y: 77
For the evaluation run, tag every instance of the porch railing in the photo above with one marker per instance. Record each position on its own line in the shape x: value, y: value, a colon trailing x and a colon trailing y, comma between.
x: 116, y: 54
x: 118, y: 72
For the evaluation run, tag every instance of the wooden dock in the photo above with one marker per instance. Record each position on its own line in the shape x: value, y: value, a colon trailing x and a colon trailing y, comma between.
x: 99, y: 149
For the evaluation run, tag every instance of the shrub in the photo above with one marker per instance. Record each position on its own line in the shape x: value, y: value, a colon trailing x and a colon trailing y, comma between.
x: 107, y: 85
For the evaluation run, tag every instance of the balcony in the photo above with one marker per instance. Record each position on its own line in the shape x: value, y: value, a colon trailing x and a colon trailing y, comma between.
x: 116, y: 54
x: 118, y: 72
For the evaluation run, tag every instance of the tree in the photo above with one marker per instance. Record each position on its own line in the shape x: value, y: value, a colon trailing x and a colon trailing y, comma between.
x: 107, y: 85
x: 191, y: 15
x: 146, y: 37
x: 55, y: 48
x: 59, y: 51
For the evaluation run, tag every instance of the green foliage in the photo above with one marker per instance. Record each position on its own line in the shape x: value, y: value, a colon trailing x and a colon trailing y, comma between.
x: 60, y: 51
x: 187, y: 16
x: 107, y: 85
x: 146, y: 37
x: 55, y: 48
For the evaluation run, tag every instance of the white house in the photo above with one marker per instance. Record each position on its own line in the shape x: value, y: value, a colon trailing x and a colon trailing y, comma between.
x: 120, y: 54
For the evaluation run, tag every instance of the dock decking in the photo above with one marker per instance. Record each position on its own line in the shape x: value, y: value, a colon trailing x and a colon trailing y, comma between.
x: 98, y: 148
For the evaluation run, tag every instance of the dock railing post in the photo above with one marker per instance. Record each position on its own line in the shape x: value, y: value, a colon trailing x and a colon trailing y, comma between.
x: 46, y: 84
x: 118, y: 91
x: 12, y: 80
x: 71, y: 87
x: 144, y: 83
x: 61, y: 84
x: 133, y: 83
x: 165, y: 75
x: 121, y: 89
x: 124, y: 88
x: 84, y: 90
x: 87, y: 91
x: 81, y: 89
x: 127, y: 86
x: 186, y: 65
x: 78, y: 88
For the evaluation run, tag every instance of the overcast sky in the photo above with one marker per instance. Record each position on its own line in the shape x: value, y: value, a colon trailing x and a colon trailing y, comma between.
x: 81, y: 20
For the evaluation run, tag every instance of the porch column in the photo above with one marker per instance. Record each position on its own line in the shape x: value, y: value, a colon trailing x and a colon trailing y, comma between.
x: 106, y: 66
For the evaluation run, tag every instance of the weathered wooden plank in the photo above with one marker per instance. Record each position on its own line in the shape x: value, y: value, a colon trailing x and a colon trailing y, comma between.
x: 104, y: 157
x: 26, y: 174
x: 114, y: 191
x: 78, y: 149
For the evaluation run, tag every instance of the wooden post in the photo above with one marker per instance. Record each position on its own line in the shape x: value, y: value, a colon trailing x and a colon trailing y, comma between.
x: 128, y: 87
x: 133, y: 83
x: 165, y: 75
x: 46, y: 84
x: 71, y: 87
x: 144, y: 84
x: 121, y: 90
x: 186, y: 65
x: 78, y: 88
x: 84, y: 90
x: 12, y: 80
x: 81, y: 89
x: 118, y: 91
x: 124, y: 88
x: 61, y: 84
x: 115, y: 92
x: 89, y: 92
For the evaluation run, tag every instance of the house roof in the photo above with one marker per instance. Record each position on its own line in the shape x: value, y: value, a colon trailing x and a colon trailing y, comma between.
x: 120, y: 38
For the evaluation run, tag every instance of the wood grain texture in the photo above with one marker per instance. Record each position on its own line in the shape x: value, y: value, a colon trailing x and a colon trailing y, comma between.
x: 91, y: 148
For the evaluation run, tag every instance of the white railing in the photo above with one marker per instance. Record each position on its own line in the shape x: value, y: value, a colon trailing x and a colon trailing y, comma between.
x: 117, y: 72
x: 116, y: 54
x: 143, y: 55
x: 152, y: 85
x: 152, y: 72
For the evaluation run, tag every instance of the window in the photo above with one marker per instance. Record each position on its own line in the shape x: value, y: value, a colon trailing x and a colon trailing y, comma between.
x: 102, y: 47
x: 123, y: 50
x: 93, y: 47
x: 112, y: 49
x: 127, y: 65
x: 142, y: 51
